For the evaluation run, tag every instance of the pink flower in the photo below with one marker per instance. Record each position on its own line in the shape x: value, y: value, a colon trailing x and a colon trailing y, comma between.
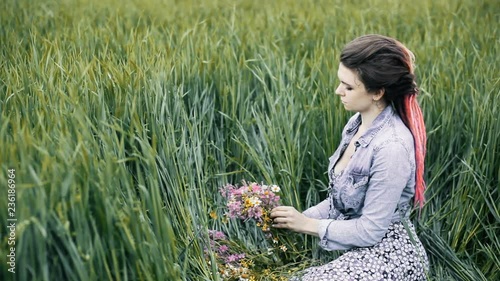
x: 255, y: 188
x: 216, y: 235
x: 223, y: 249
x: 234, y: 258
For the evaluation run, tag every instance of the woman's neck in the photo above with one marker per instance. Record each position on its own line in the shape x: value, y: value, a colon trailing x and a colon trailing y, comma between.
x: 367, y: 117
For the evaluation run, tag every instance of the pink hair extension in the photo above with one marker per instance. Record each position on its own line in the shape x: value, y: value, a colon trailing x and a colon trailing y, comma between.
x: 413, y: 118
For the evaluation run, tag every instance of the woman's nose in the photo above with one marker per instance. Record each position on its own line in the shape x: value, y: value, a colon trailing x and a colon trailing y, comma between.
x: 338, y: 90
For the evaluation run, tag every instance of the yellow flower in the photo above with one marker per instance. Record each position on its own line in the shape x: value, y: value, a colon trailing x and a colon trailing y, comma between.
x: 248, y: 203
x: 283, y: 248
x: 213, y: 215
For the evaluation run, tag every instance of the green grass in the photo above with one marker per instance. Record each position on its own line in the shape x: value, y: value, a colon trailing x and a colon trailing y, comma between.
x: 123, y: 118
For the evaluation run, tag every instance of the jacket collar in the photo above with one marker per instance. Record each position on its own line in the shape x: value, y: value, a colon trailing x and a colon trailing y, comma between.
x: 376, y: 126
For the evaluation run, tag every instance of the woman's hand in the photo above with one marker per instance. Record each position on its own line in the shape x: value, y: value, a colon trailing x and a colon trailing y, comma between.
x: 289, y: 218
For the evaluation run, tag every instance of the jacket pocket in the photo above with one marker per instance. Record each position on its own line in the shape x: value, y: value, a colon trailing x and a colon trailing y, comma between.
x: 354, y: 193
x: 358, y: 180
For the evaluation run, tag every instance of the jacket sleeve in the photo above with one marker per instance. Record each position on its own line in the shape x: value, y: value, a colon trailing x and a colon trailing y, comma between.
x: 389, y: 174
x: 319, y: 211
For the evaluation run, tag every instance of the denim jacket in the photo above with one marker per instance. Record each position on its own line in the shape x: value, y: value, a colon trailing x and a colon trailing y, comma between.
x: 373, y: 190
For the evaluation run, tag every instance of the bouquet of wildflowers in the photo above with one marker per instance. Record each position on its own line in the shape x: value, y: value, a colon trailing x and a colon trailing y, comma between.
x: 252, y: 201
x: 234, y: 264
x: 248, y: 202
x: 231, y: 265
x: 260, y: 260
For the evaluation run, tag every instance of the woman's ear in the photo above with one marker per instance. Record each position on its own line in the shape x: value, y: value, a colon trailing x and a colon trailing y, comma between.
x: 379, y: 94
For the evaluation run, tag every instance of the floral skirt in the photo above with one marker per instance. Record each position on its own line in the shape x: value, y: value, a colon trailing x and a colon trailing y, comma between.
x: 395, y: 257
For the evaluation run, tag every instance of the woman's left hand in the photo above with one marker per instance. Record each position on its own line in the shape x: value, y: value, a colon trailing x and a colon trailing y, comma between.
x: 289, y: 218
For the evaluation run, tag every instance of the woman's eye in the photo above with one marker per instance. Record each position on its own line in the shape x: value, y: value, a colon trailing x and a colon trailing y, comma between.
x: 349, y: 88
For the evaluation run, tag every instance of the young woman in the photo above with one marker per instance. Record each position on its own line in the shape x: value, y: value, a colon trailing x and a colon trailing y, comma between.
x: 374, y: 173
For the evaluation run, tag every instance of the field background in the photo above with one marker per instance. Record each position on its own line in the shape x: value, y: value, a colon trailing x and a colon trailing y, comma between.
x: 123, y: 118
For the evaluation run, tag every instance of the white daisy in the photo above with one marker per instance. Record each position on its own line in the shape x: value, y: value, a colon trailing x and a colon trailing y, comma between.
x: 275, y: 188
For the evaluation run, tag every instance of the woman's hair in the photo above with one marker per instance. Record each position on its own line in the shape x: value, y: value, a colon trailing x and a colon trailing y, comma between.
x: 383, y: 63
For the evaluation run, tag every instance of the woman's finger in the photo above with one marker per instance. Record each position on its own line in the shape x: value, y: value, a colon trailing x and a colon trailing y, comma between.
x: 278, y: 213
x: 280, y: 225
x: 280, y: 220
x: 282, y: 208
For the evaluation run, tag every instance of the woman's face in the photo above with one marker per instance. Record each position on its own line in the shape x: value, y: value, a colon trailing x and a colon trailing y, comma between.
x: 352, y: 92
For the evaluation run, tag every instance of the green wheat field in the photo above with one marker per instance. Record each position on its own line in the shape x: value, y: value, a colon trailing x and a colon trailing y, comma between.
x: 120, y: 121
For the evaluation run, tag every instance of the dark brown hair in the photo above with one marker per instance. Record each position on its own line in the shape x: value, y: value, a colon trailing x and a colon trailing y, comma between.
x: 383, y: 63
